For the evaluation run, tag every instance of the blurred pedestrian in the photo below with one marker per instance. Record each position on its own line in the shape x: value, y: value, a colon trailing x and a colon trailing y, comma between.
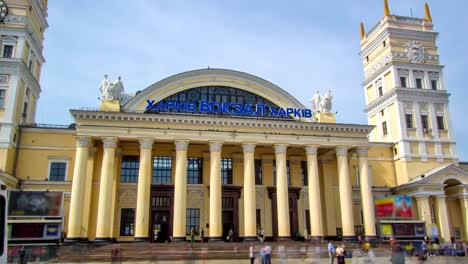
x: 267, y: 254
x: 331, y: 252
x: 340, y: 254
x: 251, y: 254
x: 202, y: 234
x: 261, y: 252
x: 192, y: 234
x: 230, y: 235
x: 398, y: 256
x: 22, y: 255
x: 116, y: 254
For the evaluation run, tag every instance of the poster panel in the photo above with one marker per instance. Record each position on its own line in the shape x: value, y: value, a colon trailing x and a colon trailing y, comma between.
x: 35, y: 204
x: 393, y: 207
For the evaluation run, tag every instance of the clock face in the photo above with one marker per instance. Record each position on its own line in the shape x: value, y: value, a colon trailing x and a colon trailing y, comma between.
x: 3, y: 10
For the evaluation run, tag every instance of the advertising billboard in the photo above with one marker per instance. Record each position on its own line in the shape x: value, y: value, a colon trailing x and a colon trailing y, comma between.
x: 35, y: 204
x: 393, y: 207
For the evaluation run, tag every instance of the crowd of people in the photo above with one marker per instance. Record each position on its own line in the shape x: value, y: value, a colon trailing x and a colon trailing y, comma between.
x: 263, y: 253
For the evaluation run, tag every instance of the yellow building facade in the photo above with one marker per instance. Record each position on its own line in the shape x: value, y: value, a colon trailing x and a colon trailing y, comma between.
x: 211, y: 150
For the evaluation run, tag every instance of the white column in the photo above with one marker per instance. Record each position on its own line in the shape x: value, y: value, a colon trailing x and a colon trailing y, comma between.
x: 144, y: 190
x: 250, y: 223
x: 346, y: 196
x: 442, y: 217
x: 105, y: 190
x: 78, y: 189
x: 366, y: 194
x: 282, y: 197
x: 315, y: 205
x: 464, y: 212
x: 180, y: 190
x: 216, y: 224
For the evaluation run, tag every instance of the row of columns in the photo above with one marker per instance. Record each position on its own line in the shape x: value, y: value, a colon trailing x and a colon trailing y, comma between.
x: 103, y: 231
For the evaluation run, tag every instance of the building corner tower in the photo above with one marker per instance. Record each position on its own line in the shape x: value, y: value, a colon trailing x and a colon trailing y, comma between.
x: 22, y: 28
x: 406, y: 99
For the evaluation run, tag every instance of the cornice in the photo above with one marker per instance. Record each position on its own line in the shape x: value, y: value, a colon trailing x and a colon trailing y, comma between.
x: 210, y: 121
x: 17, y: 67
x: 408, y: 94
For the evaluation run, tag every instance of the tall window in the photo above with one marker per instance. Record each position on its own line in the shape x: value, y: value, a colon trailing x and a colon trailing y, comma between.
x: 129, y: 170
x: 258, y: 217
x: 127, y: 221
x: 434, y: 84
x: 226, y: 171
x: 194, y: 170
x: 380, y: 90
x: 419, y: 83
x: 8, y: 51
x: 409, y: 120
x: 403, y: 82
x: 162, y: 170
x: 258, y: 172
x: 193, y: 220
x: 425, y: 121
x: 2, y: 98
x: 288, y: 172
x: 384, y: 128
x: 57, y: 170
x: 304, y: 173
x: 440, y: 123
x: 307, y: 215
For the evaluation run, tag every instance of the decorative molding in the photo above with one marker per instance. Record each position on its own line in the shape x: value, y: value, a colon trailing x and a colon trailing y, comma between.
x: 248, y: 147
x: 403, y: 72
x: 109, y: 142
x: 92, y: 151
x: 379, y: 64
x: 280, y: 148
x: 146, y: 143
x: 83, y: 141
x: 311, y: 150
x: 362, y: 152
x: 215, y: 146
x: 181, y: 145
x: 341, y: 151
x: 4, y: 78
x: 423, y: 108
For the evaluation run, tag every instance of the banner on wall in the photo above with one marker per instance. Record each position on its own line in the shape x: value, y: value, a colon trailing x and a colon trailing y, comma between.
x: 35, y: 204
x: 393, y: 206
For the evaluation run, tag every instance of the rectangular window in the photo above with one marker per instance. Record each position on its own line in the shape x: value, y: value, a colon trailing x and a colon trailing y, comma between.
x: 127, y: 221
x: 304, y: 173
x: 162, y: 170
x: 440, y: 123
x: 194, y: 170
x: 258, y: 172
x: 409, y: 120
x: 419, y: 83
x: 307, y: 215
x: 57, y: 170
x: 425, y: 121
x: 288, y: 172
x: 434, y: 85
x: 2, y: 98
x: 193, y: 220
x: 258, y: 217
x: 129, y: 169
x: 384, y: 128
x: 403, y: 82
x: 226, y: 171
x: 8, y: 51
x: 380, y: 90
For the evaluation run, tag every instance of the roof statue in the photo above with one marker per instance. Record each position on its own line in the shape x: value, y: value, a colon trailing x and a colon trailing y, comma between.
x: 111, y: 91
x: 322, y: 104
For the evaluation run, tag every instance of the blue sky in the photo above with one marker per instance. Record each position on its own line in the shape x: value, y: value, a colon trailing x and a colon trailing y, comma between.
x: 301, y: 46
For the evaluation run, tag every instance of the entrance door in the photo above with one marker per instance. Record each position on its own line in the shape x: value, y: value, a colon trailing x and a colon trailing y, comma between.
x: 228, y: 223
x: 160, y: 228
x: 293, y: 196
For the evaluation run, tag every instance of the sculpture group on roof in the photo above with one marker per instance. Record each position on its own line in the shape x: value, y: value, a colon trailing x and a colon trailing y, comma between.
x: 111, y: 91
x: 322, y: 104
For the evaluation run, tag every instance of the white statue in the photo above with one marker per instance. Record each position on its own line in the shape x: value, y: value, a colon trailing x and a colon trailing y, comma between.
x: 316, y: 102
x: 326, y: 103
x: 111, y: 91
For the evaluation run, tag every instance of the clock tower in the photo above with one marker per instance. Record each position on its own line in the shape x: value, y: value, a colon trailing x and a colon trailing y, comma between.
x: 22, y: 26
x: 406, y: 99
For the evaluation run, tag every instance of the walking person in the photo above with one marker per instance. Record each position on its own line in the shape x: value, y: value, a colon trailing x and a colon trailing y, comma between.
x: 22, y: 255
x: 261, y: 252
x: 230, y: 235
x: 331, y: 251
x: 398, y: 256
x: 202, y: 233
x: 340, y: 254
x: 424, y: 248
x: 251, y: 254
x: 192, y: 234
x: 262, y: 235
x: 267, y: 254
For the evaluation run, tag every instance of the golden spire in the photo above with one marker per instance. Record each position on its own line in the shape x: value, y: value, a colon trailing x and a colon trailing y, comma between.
x: 386, y: 9
x: 363, y: 33
x: 428, y: 12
